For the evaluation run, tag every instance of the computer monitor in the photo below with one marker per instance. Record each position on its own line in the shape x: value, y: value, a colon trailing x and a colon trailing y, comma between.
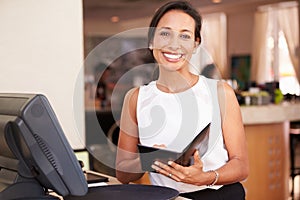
x: 35, y: 156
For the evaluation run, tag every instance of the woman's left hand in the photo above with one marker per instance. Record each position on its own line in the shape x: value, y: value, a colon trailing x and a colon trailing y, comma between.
x: 192, y: 174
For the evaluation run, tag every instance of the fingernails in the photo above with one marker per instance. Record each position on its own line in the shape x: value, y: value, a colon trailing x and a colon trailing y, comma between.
x: 154, y: 167
x: 170, y: 162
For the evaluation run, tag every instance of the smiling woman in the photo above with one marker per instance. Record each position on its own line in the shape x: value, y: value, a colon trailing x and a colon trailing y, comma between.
x: 170, y: 111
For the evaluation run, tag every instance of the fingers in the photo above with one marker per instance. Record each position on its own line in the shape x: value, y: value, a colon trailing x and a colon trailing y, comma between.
x: 166, y: 170
x: 179, y: 172
x: 162, y: 168
x: 175, y: 165
x: 197, y: 160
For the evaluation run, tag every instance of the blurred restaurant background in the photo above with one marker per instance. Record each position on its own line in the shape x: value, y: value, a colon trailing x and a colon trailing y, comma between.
x: 251, y: 44
x: 86, y: 54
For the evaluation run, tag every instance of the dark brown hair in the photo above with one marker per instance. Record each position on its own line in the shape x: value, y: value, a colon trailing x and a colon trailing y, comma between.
x: 175, y: 5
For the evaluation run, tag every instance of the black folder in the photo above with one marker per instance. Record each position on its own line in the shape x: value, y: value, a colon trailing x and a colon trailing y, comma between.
x: 150, y: 154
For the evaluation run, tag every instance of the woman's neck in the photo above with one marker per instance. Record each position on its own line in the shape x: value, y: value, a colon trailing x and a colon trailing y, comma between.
x: 174, y: 82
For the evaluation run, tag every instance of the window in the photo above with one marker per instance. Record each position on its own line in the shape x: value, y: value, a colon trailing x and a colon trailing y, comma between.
x: 276, y: 39
x: 213, y: 45
x: 288, y: 82
x: 278, y: 51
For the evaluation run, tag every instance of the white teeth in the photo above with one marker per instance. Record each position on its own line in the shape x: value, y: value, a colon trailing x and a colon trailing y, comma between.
x: 173, y: 56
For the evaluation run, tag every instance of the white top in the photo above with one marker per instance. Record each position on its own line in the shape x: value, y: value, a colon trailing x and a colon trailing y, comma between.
x: 174, y: 119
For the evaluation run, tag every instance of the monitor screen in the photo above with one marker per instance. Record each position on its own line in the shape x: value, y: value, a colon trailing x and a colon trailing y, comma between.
x: 35, y: 156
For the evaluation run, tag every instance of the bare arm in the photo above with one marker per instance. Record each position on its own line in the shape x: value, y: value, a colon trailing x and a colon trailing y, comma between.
x: 128, y: 166
x: 237, y: 168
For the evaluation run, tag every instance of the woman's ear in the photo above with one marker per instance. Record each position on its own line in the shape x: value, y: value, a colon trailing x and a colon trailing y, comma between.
x: 196, y: 45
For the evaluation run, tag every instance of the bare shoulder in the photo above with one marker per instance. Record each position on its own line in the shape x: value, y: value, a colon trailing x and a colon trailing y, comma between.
x: 133, y: 91
x: 132, y: 95
x: 225, y: 91
x: 130, y: 103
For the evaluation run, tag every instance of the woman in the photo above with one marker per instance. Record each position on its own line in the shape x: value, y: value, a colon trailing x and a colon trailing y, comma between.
x: 178, y: 105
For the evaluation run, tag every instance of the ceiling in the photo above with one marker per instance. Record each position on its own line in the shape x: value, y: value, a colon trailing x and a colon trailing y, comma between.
x: 132, y: 9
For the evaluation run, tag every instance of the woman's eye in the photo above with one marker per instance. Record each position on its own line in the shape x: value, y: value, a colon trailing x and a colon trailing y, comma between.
x: 185, y: 36
x: 164, y: 33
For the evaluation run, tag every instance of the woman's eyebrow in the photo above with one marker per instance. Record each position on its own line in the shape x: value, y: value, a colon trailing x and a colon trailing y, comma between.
x: 168, y: 28
x: 186, y: 30
x: 160, y: 28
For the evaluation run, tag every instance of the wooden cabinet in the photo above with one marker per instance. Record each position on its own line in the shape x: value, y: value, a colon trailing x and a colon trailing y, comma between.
x: 267, y: 132
x: 268, y: 146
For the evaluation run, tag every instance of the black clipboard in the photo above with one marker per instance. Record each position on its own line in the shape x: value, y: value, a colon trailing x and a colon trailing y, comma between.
x: 150, y: 154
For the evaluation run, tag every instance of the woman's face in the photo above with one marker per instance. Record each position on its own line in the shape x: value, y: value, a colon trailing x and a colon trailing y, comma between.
x: 173, y: 42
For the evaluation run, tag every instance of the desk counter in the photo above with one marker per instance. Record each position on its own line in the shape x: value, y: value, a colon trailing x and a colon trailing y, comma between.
x: 267, y: 132
x: 267, y: 114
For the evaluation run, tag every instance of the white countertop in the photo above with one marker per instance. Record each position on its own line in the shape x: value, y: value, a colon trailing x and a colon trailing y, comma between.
x: 266, y: 114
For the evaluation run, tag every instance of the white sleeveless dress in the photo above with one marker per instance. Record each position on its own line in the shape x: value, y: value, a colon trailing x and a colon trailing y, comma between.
x: 174, y: 119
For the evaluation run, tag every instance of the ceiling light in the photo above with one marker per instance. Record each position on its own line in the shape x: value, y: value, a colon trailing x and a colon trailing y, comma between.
x: 216, y: 1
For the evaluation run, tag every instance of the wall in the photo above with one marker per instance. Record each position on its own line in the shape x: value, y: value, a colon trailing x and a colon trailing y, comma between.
x: 95, y: 26
x: 240, y: 33
x: 41, y: 48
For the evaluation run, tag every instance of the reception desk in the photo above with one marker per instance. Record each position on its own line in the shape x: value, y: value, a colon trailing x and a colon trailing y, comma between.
x: 267, y: 132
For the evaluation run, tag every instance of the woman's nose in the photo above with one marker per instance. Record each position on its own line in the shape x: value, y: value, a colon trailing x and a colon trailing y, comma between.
x: 174, y: 43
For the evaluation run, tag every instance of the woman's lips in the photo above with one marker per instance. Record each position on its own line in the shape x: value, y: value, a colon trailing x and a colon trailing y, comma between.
x: 172, y: 57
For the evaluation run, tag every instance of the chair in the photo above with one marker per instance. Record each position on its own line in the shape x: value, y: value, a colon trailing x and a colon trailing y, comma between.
x: 294, y: 140
x: 106, y: 152
x: 109, y: 150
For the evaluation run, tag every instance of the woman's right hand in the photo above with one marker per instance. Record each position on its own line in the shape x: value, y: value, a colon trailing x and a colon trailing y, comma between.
x: 192, y: 174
